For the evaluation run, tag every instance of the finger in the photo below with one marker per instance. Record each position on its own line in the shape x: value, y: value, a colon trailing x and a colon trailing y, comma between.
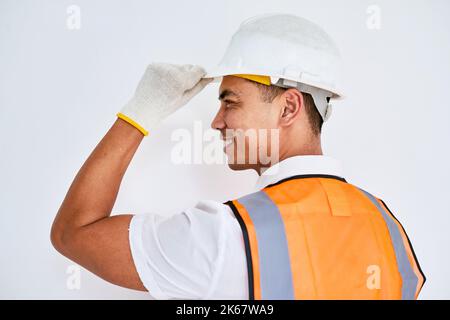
x: 190, y: 93
x: 192, y: 74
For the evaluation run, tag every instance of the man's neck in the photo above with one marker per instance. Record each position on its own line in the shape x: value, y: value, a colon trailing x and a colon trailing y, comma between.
x: 316, y: 151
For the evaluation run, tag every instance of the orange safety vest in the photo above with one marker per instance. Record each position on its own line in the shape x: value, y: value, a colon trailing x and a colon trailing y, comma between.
x: 319, y: 237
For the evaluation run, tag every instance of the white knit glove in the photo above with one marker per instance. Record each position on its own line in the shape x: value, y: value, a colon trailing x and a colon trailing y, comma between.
x: 162, y: 90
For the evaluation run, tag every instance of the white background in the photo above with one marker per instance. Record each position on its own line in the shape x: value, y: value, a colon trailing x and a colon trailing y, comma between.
x: 60, y: 90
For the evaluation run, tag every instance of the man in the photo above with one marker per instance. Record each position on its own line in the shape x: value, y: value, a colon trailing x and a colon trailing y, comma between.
x: 304, y: 234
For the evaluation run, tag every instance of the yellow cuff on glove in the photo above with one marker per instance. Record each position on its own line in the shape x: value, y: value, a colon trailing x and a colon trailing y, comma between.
x: 133, y: 123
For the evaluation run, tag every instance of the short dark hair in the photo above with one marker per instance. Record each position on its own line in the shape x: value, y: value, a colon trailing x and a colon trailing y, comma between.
x: 269, y: 93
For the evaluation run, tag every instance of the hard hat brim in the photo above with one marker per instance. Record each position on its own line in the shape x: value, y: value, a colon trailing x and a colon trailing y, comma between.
x: 218, y: 73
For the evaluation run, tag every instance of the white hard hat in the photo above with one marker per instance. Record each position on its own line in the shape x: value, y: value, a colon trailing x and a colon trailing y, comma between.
x: 292, y: 51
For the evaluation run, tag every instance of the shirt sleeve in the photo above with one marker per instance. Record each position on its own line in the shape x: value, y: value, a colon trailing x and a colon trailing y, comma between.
x: 181, y: 257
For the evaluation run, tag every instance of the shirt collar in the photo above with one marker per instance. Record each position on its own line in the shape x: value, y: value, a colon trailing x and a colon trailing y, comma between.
x: 299, y: 165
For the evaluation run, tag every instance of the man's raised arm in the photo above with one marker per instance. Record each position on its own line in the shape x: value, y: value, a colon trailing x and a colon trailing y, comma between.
x: 83, y: 229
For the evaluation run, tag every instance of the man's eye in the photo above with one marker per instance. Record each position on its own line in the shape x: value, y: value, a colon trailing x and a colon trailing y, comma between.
x: 230, y: 103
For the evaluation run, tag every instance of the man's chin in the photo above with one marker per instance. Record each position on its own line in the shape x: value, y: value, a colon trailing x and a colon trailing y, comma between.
x: 240, y: 166
x: 239, y: 163
x: 235, y: 167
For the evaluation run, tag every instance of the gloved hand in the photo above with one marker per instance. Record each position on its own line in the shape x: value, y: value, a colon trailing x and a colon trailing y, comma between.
x: 162, y: 90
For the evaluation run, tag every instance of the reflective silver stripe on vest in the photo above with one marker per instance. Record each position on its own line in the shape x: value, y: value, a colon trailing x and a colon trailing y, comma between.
x: 273, y: 252
x: 409, y: 278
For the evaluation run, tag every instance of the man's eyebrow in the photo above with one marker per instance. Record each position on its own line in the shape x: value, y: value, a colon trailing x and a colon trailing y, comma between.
x: 225, y: 93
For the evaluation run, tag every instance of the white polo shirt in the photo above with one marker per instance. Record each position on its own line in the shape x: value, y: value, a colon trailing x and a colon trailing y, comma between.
x: 199, y: 253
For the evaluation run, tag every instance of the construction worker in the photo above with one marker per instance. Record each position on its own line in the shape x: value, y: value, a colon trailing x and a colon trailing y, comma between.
x: 305, y: 233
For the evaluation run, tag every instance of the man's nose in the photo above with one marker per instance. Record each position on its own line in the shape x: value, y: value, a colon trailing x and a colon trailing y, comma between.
x: 218, y: 123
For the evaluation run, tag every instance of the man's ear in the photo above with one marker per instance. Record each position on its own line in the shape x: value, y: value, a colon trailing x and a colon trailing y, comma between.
x: 292, y: 100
